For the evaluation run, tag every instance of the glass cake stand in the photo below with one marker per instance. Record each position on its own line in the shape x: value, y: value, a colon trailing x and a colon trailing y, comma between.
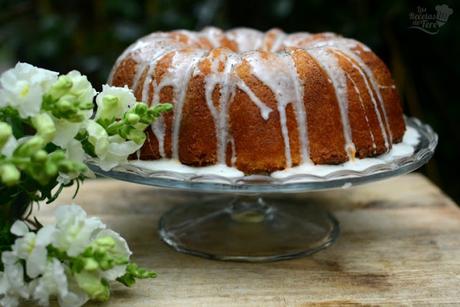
x: 243, y: 225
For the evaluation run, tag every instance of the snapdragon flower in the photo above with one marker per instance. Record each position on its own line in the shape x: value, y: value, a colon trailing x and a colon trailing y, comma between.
x: 113, y: 102
x: 70, y: 98
x: 74, y: 261
x: 74, y: 229
x: 23, y: 86
x: 70, y: 104
x: 31, y: 247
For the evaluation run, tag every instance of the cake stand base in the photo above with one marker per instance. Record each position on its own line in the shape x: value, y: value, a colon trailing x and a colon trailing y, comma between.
x: 249, y: 228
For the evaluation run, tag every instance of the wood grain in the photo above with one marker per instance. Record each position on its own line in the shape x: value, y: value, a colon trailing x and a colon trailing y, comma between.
x: 399, y: 245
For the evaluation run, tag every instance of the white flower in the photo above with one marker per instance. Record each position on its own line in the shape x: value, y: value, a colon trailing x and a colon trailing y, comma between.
x: 121, y: 250
x: 32, y: 247
x: 113, y: 101
x: 80, y: 90
x: 81, y: 87
x: 117, y: 152
x: 9, y: 147
x: 74, y: 151
x: 110, y: 150
x: 65, y: 131
x: 72, y: 234
x: 54, y: 282
x: 23, y: 87
x: 74, y: 230
x: 12, y: 284
x: 98, y: 137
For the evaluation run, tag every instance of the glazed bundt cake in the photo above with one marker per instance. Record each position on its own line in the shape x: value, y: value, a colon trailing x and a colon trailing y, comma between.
x: 262, y: 102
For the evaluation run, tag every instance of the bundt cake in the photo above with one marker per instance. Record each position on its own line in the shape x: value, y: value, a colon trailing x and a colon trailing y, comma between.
x: 262, y: 102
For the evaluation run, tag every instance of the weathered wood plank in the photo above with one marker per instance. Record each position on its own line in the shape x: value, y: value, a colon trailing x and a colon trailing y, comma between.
x: 399, y: 245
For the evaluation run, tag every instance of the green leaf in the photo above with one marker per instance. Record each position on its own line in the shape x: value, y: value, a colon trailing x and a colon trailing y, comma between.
x: 133, y: 272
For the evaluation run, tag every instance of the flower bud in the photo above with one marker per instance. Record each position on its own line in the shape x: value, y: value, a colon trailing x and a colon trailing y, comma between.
x: 67, y: 166
x: 44, y: 125
x: 132, y: 118
x: 60, y: 87
x: 51, y: 169
x: 40, y: 156
x: 90, y: 264
x: 30, y: 147
x: 137, y: 136
x: 110, y: 101
x: 64, y: 106
x: 5, y: 132
x: 103, y: 244
x: 57, y: 156
x: 162, y: 107
x: 10, y: 175
x: 88, y: 105
x: 140, y: 108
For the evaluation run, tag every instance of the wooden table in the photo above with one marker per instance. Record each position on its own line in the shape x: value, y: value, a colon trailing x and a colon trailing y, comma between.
x: 400, y: 244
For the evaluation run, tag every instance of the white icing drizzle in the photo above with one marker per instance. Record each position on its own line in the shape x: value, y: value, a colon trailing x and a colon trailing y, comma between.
x: 131, y: 49
x: 223, y: 79
x: 276, y: 46
x: 234, y: 157
x: 273, y: 40
x: 345, y: 46
x: 300, y: 111
x: 264, y: 109
x: 158, y: 126
x: 387, y: 86
x: 295, y: 39
x: 371, y: 94
x: 140, y: 68
x: 355, y: 87
x: 246, y: 39
x: 360, y: 67
x: 178, y: 76
x: 332, y: 68
x: 275, y: 76
x: 213, y: 35
x: 278, y: 72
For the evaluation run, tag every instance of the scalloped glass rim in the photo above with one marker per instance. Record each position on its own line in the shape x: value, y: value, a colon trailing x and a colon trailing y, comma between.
x: 295, y: 183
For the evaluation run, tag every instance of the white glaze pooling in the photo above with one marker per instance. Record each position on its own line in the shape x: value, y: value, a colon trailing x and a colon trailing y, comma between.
x: 277, y: 71
x: 176, y: 166
x: 404, y: 149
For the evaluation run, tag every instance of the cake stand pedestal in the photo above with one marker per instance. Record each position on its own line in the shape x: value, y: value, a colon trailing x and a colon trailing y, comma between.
x: 243, y: 225
x: 249, y: 228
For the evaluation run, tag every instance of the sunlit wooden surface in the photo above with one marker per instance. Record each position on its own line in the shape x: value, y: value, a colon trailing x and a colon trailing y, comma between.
x: 400, y: 244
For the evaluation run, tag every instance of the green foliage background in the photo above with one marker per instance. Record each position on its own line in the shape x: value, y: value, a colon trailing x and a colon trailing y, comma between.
x: 89, y: 35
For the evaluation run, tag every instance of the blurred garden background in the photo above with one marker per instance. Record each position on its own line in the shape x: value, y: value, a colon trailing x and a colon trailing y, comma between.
x: 89, y: 35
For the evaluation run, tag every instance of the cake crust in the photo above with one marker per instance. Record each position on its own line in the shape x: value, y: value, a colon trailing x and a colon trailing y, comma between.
x: 262, y: 102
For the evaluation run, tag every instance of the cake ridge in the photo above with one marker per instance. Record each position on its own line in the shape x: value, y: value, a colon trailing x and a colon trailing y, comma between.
x: 338, y: 79
x: 377, y: 111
